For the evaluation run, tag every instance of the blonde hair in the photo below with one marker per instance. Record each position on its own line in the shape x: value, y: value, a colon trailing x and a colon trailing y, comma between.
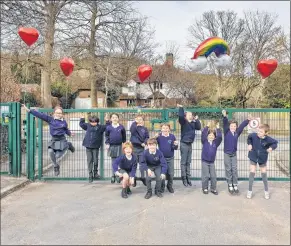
x: 265, y: 127
x: 166, y: 124
x: 127, y: 145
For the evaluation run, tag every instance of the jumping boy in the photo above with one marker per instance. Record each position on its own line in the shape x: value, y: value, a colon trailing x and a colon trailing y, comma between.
x: 189, y: 125
x: 231, y: 135
x: 259, y: 147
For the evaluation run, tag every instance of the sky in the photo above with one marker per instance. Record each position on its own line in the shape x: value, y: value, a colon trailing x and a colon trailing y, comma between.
x: 171, y: 19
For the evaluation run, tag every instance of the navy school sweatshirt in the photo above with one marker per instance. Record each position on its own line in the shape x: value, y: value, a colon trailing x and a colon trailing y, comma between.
x: 115, y: 136
x: 166, y: 145
x: 123, y: 163
x: 152, y: 160
x: 209, y: 150
x: 139, y: 135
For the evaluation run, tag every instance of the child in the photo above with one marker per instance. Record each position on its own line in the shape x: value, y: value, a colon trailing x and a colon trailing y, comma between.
x: 153, y: 162
x: 125, y: 168
x: 259, y: 146
x: 210, y: 139
x: 92, y: 141
x: 139, y: 137
x: 231, y: 135
x: 58, y: 129
x: 115, y: 135
x: 167, y: 144
x: 188, y: 127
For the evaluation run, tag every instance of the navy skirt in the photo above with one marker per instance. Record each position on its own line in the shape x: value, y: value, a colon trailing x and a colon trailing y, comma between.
x: 115, y: 151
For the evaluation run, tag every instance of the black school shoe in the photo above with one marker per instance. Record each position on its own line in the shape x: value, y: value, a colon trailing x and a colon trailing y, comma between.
x: 57, y: 170
x: 124, y: 193
x: 96, y: 176
x: 170, y: 189
x: 185, y: 183
x: 113, y: 179
x: 189, y: 182
x: 214, y: 192
x: 90, y: 179
x: 128, y: 191
x: 236, y: 190
x: 148, y: 195
x: 134, y: 184
x: 205, y: 191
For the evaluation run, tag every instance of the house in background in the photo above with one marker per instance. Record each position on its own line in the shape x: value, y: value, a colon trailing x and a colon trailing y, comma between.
x: 82, y: 99
x: 140, y: 94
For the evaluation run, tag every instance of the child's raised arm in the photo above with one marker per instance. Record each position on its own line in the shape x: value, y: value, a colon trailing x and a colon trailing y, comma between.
x: 225, y: 122
x: 82, y: 124
x: 242, y: 126
x: 182, y: 120
x: 197, y: 123
x: 218, y: 138
x: 204, y: 134
x: 39, y: 115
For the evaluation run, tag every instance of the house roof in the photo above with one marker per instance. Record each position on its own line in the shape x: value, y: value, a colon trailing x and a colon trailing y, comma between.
x: 125, y: 97
x: 157, y: 95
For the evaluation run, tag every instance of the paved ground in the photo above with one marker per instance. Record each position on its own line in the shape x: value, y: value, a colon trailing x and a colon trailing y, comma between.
x: 81, y: 213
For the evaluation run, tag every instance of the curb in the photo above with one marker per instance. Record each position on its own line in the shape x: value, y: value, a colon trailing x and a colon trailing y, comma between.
x: 11, y: 189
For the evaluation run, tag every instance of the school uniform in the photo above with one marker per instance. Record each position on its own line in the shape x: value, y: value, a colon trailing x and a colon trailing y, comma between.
x: 230, y: 149
x: 167, y: 147
x: 58, y: 144
x: 208, y: 155
x: 115, y: 136
x: 92, y: 142
x: 187, y: 138
x: 139, y: 136
x: 156, y: 163
x: 124, y: 165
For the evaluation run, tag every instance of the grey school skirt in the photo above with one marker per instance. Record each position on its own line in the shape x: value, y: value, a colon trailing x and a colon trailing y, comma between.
x: 58, y: 143
x: 115, y: 151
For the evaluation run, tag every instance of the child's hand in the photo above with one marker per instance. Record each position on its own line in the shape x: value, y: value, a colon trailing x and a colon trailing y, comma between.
x: 196, y: 117
x: 179, y: 106
x: 163, y: 176
x: 131, y: 180
x: 217, y: 125
x: 175, y: 142
x: 26, y: 108
x: 269, y: 150
x: 250, y: 147
x: 107, y: 146
x: 106, y: 118
x: 118, y: 174
x: 143, y: 145
x: 150, y: 173
x: 250, y: 117
x: 224, y: 113
x: 157, y: 135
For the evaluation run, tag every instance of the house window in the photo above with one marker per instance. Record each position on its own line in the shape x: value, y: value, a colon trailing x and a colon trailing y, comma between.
x: 161, y: 86
x: 158, y: 86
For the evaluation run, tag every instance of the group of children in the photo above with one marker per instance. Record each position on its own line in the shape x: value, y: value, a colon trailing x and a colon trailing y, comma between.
x: 155, y: 156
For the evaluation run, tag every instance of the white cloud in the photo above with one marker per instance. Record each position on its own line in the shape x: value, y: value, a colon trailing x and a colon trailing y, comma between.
x: 171, y: 19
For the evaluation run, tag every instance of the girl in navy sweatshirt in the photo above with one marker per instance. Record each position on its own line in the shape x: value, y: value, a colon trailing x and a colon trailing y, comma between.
x: 92, y: 142
x: 189, y: 125
x: 231, y: 135
x: 125, y: 168
x: 259, y: 147
x: 58, y: 129
x: 210, y: 139
x: 139, y: 138
x: 167, y: 145
x: 154, y: 163
x: 115, y: 135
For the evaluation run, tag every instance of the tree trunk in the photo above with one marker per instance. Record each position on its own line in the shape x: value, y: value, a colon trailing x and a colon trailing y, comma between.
x: 47, y: 58
x: 92, y: 46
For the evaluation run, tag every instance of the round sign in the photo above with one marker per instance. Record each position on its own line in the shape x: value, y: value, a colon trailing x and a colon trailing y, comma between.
x: 254, y: 123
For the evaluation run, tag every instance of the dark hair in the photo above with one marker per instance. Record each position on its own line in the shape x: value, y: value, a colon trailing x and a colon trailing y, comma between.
x: 233, y: 122
x: 212, y: 131
x: 93, y: 119
x: 152, y: 141
x: 114, y: 114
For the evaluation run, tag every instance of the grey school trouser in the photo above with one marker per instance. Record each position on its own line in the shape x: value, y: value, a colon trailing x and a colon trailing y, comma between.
x: 230, y: 164
x: 208, y: 169
x: 186, y: 156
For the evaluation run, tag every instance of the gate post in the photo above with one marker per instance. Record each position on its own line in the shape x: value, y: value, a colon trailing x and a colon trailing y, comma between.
x: 102, y: 149
x: 31, y: 149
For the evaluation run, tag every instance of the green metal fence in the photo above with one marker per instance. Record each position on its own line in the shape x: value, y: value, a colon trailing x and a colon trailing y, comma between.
x: 73, y: 165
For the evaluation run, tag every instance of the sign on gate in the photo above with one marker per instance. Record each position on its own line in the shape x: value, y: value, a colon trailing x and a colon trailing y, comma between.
x: 253, y: 125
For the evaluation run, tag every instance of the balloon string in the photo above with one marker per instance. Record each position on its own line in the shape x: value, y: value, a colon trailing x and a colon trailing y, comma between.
x: 67, y: 80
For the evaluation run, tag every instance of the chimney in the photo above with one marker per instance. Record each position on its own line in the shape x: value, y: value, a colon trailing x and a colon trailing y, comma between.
x: 169, y: 60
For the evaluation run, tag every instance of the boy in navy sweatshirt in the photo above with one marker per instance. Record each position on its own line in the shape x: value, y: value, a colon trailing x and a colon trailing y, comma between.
x: 92, y: 142
x: 167, y: 145
x: 231, y: 135
x: 139, y: 138
x: 188, y: 127
x: 115, y: 135
x: 259, y: 146
x: 125, y: 168
x: 154, y: 163
x: 210, y: 139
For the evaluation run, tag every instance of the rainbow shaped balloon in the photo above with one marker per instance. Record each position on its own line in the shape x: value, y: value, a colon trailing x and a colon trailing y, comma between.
x: 214, y: 44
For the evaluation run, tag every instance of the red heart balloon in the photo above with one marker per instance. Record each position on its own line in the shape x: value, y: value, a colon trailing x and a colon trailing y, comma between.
x: 144, y: 71
x: 267, y: 67
x: 67, y: 66
x: 28, y: 35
